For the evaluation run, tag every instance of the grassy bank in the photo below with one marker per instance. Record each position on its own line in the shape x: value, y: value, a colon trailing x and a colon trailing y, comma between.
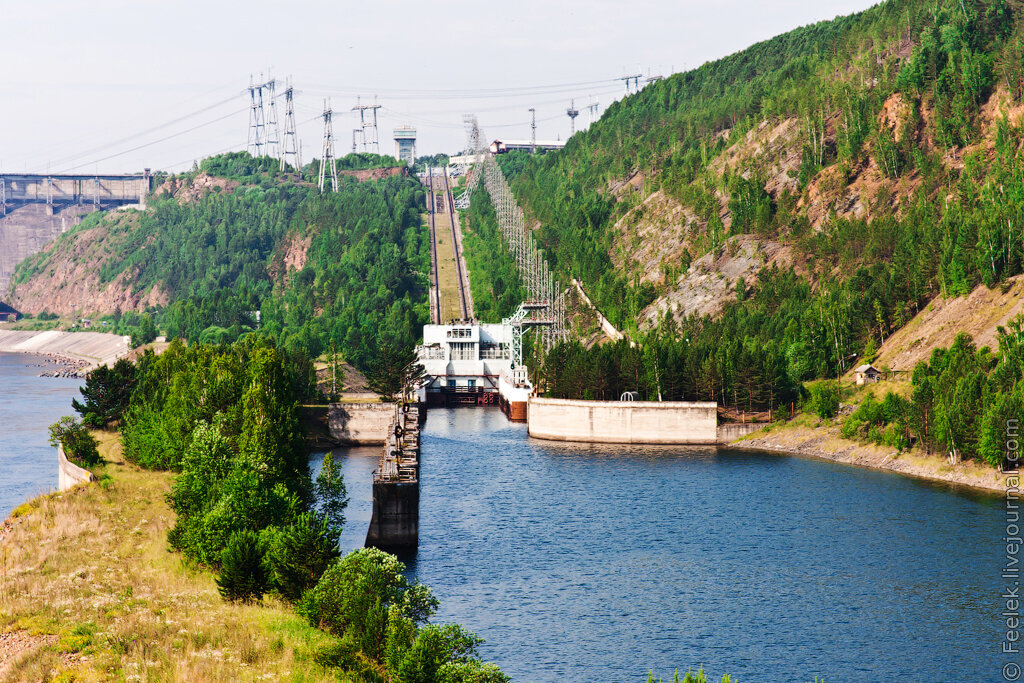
x: 91, y: 592
x: 809, y: 436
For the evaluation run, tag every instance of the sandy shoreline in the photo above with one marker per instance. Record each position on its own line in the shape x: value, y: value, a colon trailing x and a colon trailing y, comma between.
x: 825, y: 443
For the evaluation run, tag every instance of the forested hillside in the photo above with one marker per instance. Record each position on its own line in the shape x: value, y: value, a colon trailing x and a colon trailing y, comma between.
x: 772, y: 217
x: 236, y: 244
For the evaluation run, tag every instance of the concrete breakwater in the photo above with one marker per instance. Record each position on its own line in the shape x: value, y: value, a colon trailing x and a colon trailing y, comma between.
x: 637, y: 422
x: 87, y: 350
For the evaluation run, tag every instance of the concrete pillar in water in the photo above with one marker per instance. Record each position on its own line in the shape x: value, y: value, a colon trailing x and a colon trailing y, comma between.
x: 396, y: 516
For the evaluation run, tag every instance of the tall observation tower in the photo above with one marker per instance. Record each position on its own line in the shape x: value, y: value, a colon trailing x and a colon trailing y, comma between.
x: 405, y: 144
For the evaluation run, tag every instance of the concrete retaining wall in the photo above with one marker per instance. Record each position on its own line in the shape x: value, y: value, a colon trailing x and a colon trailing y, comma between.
x: 70, y: 474
x: 360, y: 423
x: 727, y: 433
x: 670, y: 422
x: 97, y: 348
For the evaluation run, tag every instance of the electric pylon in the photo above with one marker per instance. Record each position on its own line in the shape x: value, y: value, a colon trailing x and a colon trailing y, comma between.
x: 290, y: 146
x: 592, y: 111
x: 533, y: 130
x: 327, y: 155
x: 273, y: 136
x: 257, y: 123
x: 572, y: 112
x: 374, y: 141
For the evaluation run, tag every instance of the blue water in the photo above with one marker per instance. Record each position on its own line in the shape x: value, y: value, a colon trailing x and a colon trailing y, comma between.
x: 29, y: 404
x: 601, y: 563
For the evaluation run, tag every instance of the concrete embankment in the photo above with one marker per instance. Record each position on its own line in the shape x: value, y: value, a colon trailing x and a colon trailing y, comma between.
x: 95, y: 348
x: 826, y: 443
x: 641, y: 422
x: 70, y: 474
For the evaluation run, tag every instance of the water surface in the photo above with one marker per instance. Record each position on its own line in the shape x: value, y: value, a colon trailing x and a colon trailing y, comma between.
x: 29, y: 404
x: 600, y: 563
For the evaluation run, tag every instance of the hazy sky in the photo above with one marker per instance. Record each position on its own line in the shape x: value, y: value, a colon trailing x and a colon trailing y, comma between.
x: 86, y: 82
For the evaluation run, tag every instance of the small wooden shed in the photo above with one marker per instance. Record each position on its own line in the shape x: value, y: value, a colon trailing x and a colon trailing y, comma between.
x: 867, y: 374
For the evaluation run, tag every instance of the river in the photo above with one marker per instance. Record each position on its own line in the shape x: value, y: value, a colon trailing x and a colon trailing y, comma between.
x: 29, y: 404
x: 601, y: 563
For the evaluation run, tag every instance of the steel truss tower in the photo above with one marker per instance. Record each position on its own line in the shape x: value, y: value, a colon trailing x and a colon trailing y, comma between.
x: 264, y: 136
x: 373, y: 143
x: 257, y: 121
x: 572, y: 112
x: 545, y: 293
x: 327, y: 155
x: 290, y: 143
x: 273, y: 135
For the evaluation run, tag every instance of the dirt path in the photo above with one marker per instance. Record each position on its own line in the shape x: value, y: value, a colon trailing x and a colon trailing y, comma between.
x: 825, y: 442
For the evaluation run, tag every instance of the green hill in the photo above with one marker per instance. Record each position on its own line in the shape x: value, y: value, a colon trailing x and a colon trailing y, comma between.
x: 236, y: 237
x: 772, y: 217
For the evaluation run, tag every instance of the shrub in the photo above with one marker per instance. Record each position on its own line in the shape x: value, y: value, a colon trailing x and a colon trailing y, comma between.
x: 299, y: 554
x: 440, y: 648
x: 824, y: 401
x: 243, y: 576
x: 80, y: 446
x: 353, y: 598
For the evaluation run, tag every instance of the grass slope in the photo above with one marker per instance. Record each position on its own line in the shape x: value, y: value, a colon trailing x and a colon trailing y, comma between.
x: 90, y: 592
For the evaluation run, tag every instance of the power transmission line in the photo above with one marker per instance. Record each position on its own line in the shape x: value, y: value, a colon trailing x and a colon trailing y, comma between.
x: 100, y: 148
x: 467, y: 93
x: 151, y: 143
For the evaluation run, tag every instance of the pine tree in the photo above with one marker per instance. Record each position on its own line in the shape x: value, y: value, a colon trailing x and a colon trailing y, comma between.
x: 301, y: 553
x: 243, y: 576
x: 331, y: 492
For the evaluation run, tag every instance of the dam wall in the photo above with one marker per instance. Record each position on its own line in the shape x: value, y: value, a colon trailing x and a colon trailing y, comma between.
x: 96, y: 348
x: 641, y: 422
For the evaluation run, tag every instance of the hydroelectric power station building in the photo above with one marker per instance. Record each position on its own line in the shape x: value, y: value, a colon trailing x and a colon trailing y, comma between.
x: 469, y: 363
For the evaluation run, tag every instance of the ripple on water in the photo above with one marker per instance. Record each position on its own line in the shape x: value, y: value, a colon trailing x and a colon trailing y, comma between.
x: 600, y: 563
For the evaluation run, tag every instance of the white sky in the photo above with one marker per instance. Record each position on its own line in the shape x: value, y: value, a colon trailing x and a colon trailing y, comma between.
x: 84, y: 80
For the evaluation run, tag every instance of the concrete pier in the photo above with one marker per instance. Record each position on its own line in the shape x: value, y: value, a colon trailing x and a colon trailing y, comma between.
x: 394, y: 526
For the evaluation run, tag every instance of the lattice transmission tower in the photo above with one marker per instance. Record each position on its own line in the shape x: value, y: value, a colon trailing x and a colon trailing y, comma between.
x: 290, y: 142
x: 264, y: 134
x: 257, y: 120
x: 371, y: 142
x: 544, y: 292
x: 327, y: 155
x: 273, y: 143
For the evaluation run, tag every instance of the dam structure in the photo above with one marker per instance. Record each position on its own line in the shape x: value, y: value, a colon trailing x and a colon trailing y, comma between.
x: 36, y: 209
x: 472, y: 363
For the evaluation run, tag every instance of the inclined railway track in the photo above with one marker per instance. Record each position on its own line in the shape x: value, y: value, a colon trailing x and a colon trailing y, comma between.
x: 437, y: 207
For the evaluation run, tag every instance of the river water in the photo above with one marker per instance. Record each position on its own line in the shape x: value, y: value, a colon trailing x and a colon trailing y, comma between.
x: 601, y: 563
x: 29, y: 404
